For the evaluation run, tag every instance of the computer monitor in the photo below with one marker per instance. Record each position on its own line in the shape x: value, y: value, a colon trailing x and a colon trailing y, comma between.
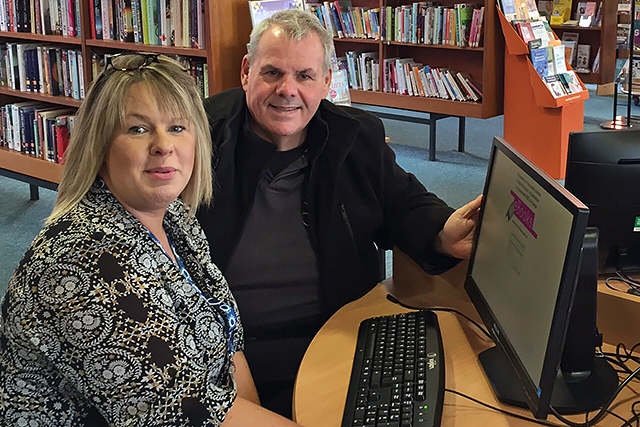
x: 603, y: 171
x: 522, y: 278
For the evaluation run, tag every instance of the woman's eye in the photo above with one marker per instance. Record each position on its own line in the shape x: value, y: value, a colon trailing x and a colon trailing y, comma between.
x: 177, y: 128
x: 136, y: 130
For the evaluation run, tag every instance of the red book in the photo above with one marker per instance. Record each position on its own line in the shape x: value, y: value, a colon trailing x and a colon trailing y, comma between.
x: 62, y: 137
x: 92, y: 17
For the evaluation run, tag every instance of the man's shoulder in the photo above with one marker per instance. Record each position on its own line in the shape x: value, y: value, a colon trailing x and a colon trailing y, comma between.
x: 221, y: 104
x: 348, y: 112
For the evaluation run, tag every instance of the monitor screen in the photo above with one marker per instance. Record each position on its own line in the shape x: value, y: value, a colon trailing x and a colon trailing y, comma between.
x: 603, y: 169
x: 523, y: 269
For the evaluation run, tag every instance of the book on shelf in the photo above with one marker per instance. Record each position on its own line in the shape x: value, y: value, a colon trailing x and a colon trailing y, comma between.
x: 622, y: 36
x: 570, y: 42
x: 582, y: 58
x: 539, y: 60
x: 261, y: 9
x: 587, y: 17
x: 561, y: 12
x: 508, y: 8
x: 555, y: 86
x: 595, y: 67
x: 545, y: 8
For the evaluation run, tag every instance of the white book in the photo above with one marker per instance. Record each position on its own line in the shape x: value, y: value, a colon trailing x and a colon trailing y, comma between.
x: 559, y: 63
x: 107, y: 28
x: 3, y: 16
x: 582, y: 58
x: 162, y: 23
x: 22, y: 65
x: 176, y: 22
x: 80, y: 74
x: 186, y: 39
x: 73, y: 74
x: 41, y: 69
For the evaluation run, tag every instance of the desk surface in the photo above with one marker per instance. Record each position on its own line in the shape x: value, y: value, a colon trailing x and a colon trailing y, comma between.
x: 323, y: 378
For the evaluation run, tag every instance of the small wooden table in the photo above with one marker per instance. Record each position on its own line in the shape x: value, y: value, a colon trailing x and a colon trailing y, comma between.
x: 323, y: 379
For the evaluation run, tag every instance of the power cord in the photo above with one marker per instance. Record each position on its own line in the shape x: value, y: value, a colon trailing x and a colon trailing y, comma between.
x: 621, y: 276
x: 605, y: 408
x: 502, y: 411
x: 444, y: 309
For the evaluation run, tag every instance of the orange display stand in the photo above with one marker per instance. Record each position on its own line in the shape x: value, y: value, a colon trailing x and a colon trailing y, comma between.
x: 535, y: 122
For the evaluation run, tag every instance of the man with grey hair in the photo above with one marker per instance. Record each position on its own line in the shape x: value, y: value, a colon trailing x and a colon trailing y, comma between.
x: 306, y: 191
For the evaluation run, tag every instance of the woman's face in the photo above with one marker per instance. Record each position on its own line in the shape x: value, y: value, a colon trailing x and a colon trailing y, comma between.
x: 151, y: 157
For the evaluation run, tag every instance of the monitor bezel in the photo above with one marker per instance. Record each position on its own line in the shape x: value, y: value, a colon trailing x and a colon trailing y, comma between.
x: 538, y: 402
x: 597, y: 162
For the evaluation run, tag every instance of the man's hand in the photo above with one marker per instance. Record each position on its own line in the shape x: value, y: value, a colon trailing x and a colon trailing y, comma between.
x: 456, y: 237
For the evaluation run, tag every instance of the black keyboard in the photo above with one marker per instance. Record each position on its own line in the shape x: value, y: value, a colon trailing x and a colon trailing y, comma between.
x: 397, y: 377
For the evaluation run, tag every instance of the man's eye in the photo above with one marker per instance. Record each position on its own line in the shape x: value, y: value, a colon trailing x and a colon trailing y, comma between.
x: 272, y: 73
x: 305, y: 77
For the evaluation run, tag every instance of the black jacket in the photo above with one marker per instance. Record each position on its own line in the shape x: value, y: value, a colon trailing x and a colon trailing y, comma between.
x: 355, y: 197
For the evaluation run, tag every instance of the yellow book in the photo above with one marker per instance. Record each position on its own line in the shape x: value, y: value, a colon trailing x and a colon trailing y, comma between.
x: 561, y: 12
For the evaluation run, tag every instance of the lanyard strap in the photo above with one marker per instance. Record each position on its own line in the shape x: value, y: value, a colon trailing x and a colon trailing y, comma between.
x: 227, y: 310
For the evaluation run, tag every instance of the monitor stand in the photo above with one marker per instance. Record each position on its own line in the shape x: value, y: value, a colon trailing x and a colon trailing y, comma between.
x: 584, y: 382
x: 573, y: 396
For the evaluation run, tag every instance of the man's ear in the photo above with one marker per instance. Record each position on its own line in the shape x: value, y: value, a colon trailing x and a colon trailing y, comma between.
x: 244, y: 72
x: 327, y: 82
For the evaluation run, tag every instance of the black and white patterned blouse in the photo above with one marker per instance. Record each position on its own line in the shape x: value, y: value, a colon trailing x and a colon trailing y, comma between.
x: 100, y: 327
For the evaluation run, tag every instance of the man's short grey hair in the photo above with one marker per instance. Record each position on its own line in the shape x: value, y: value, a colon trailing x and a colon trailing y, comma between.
x: 296, y: 25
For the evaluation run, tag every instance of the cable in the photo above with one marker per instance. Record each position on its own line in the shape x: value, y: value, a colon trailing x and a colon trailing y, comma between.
x: 445, y: 309
x: 605, y: 407
x: 511, y: 414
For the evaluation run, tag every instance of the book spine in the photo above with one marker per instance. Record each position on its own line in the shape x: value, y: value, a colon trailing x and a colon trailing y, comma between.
x: 71, y: 21
x: 62, y: 138
x: 81, y: 83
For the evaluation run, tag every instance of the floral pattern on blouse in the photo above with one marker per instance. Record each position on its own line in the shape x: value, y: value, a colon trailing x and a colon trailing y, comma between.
x: 99, y: 327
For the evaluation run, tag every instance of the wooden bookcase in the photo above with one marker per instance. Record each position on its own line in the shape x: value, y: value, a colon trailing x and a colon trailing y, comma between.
x: 227, y: 29
x: 602, y: 37
x: 485, y: 64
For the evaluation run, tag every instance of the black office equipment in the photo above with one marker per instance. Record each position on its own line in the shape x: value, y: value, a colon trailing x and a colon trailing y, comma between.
x: 522, y: 278
x: 397, y: 377
x: 603, y: 171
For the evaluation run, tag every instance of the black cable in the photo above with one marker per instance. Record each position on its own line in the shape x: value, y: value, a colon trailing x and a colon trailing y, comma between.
x: 446, y: 309
x: 511, y: 414
x: 605, y: 407
x: 623, y: 278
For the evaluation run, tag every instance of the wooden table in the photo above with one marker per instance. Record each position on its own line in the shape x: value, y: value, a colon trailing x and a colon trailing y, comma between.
x: 323, y: 378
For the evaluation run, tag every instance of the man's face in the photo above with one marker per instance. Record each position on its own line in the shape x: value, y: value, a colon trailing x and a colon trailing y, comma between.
x: 284, y: 86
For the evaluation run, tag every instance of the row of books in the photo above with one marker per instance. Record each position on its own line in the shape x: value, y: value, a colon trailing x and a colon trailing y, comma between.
x: 40, y: 68
x: 198, y: 68
x: 419, y: 22
x: 561, y: 12
x: 37, y: 129
x: 41, y: 17
x: 154, y: 22
x: 57, y: 71
x: 404, y: 76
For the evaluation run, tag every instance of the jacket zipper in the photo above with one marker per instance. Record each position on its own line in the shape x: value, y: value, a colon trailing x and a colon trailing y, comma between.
x: 345, y: 218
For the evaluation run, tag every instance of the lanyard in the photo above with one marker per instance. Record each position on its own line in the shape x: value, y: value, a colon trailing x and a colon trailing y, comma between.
x: 225, y: 308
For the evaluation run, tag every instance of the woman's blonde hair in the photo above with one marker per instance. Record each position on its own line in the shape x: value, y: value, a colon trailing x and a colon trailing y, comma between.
x: 103, y: 111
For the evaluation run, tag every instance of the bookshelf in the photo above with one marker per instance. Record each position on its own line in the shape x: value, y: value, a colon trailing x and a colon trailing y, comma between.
x: 601, y: 38
x: 225, y: 46
x: 485, y: 64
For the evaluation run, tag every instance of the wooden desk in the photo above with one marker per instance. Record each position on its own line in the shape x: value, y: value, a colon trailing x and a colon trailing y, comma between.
x: 323, y: 378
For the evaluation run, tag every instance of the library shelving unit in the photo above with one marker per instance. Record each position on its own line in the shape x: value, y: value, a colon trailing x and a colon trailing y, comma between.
x: 227, y: 27
x: 484, y: 64
x: 601, y: 38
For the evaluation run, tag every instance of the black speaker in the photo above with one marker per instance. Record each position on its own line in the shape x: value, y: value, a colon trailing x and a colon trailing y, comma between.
x: 582, y: 334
